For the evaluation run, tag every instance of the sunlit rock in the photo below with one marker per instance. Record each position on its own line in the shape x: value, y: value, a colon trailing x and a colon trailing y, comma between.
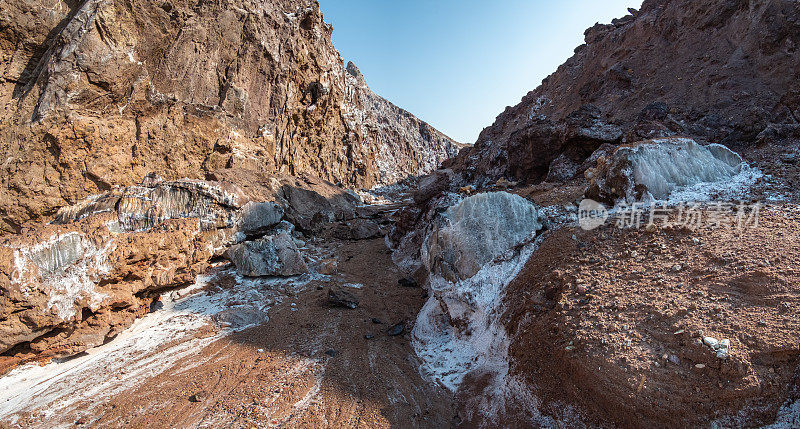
x: 477, y: 230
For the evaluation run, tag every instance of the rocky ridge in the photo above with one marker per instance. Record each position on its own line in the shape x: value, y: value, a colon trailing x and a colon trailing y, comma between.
x: 719, y: 72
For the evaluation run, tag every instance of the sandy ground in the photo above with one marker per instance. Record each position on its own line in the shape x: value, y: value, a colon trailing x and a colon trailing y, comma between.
x: 309, y: 366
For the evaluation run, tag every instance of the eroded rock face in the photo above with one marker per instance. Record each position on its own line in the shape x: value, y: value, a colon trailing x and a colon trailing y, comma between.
x: 99, y: 93
x: 143, y: 207
x: 719, y: 71
x: 78, y: 282
x: 477, y: 230
x: 66, y: 288
x: 656, y: 168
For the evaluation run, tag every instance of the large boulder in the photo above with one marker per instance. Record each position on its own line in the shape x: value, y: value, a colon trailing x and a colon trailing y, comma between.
x: 312, y: 202
x: 656, y: 168
x: 357, y: 229
x: 257, y: 218
x: 275, y: 255
x: 477, y: 230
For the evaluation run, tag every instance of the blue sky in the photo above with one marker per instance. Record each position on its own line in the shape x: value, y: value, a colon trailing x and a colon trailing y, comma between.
x: 458, y: 63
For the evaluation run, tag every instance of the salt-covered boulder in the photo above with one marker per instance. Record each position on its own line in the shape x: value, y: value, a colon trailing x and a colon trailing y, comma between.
x: 275, y: 255
x: 476, y: 231
x: 656, y: 168
x: 258, y: 217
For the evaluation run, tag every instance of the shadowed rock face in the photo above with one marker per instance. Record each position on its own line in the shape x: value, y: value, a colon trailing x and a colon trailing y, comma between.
x: 720, y: 71
x: 98, y: 93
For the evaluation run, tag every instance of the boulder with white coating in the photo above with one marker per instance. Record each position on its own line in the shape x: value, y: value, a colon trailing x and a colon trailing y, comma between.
x: 275, y: 255
x: 656, y: 168
x: 258, y: 217
x: 476, y: 231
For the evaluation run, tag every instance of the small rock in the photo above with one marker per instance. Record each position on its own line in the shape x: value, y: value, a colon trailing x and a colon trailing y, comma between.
x: 467, y: 189
x: 81, y: 421
x: 700, y: 366
x: 407, y: 282
x: 199, y: 396
x: 331, y: 352
x: 376, y: 321
x: 397, y: 329
x: 675, y: 360
x: 369, y: 336
x: 342, y: 298
x: 581, y: 289
x: 710, y: 341
x: 260, y: 351
x: 695, y: 240
x: 677, y: 267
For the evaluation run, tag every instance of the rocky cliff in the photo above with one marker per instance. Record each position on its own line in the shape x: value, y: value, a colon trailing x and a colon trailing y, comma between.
x: 721, y: 71
x: 99, y: 93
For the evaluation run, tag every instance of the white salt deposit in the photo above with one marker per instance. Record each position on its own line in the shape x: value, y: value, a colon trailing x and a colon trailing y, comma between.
x: 448, y: 353
x: 735, y: 188
x: 788, y: 417
x: 68, y: 265
x: 666, y: 165
x: 152, y: 345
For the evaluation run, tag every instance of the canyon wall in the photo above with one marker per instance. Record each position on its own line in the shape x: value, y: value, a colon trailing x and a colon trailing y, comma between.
x: 99, y: 93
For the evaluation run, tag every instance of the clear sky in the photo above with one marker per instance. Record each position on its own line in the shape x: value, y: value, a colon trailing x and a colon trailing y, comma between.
x: 458, y: 63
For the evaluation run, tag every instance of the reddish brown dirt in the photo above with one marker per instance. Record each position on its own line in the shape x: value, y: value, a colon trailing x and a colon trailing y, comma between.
x: 626, y: 351
x: 292, y: 382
